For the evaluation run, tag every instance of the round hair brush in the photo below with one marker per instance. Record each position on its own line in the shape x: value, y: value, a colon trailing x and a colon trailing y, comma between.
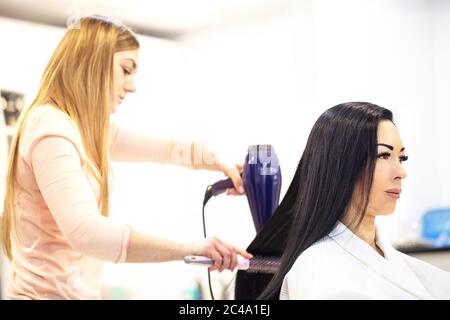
x: 257, y: 264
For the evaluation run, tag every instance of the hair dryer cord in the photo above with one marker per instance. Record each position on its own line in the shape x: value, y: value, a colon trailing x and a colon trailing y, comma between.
x: 208, y: 195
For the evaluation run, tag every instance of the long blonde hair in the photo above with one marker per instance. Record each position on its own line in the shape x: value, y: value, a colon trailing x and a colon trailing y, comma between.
x: 78, y: 80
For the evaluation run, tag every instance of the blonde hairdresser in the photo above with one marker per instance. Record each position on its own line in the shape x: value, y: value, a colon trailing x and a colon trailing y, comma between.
x: 55, y: 228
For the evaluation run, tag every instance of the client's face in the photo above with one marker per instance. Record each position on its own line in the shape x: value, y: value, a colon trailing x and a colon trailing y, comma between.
x: 389, y: 171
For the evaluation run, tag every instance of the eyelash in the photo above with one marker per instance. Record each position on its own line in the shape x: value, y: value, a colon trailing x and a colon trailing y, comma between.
x: 126, y: 72
x: 387, y: 154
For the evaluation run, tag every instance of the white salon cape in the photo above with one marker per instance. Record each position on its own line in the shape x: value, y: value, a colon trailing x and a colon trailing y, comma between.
x: 343, y: 266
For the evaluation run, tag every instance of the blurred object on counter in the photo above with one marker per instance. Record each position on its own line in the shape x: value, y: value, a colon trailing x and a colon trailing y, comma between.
x: 12, y: 104
x: 436, y: 227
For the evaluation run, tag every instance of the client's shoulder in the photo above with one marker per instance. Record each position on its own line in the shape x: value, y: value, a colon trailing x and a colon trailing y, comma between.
x: 321, y: 253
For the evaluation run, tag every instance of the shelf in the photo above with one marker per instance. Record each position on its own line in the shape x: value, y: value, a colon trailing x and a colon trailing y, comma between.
x: 420, y: 248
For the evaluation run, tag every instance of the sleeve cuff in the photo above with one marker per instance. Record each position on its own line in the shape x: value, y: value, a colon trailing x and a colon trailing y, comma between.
x: 125, y: 244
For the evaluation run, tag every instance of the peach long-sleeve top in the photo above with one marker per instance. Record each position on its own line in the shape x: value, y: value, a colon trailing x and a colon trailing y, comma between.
x: 60, y: 237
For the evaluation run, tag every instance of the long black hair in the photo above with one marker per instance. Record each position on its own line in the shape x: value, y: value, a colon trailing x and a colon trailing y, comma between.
x: 339, y: 156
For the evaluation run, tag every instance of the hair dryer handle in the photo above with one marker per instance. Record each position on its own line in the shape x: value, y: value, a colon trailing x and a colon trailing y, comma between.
x: 218, y: 188
x: 221, y: 186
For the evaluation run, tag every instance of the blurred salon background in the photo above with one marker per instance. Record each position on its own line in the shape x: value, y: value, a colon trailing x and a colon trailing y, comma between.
x: 238, y: 73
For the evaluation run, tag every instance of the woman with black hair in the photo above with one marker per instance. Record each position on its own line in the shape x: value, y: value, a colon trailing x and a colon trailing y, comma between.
x: 324, y: 229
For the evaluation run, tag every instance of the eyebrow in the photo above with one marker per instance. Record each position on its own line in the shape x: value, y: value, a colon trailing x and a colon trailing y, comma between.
x: 389, y: 146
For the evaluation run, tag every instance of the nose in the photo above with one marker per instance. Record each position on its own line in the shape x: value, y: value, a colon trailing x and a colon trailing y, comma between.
x: 400, y: 172
x: 130, y: 87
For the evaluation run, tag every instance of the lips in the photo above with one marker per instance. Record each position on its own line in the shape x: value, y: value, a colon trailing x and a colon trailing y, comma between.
x: 394, y: 193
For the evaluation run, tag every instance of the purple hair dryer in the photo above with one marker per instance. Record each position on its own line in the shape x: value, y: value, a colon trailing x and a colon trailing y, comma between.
x: 262, y: 183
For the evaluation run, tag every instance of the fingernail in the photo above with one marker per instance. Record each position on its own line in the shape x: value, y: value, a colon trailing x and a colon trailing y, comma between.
x: 241, y: 189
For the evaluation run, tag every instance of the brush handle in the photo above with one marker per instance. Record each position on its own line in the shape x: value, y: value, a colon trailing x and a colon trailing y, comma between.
x: 243, y: 264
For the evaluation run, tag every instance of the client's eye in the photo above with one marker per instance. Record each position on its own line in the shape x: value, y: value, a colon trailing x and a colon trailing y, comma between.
x: 384, y: 155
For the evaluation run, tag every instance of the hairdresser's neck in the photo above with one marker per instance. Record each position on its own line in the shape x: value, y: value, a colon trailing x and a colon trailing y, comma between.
x: 365, y: 230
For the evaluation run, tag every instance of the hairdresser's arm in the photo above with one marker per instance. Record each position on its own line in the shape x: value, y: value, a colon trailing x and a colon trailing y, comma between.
x: 69, y: 197
x: 130, y: 145
x: 145, y: 248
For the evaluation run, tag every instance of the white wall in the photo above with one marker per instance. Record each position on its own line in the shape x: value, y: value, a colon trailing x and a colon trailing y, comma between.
x: 441, y: 79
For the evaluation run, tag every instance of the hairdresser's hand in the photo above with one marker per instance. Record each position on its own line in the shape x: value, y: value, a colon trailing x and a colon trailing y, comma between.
x: 234, y: 172
x: 224, y: 254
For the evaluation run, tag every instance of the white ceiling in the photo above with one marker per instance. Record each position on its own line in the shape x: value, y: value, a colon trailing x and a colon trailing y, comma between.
x: 162, y: 18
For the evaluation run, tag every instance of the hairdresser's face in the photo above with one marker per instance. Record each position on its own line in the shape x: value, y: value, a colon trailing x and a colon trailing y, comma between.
x: 124, y: 70
x: 389, y: 171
